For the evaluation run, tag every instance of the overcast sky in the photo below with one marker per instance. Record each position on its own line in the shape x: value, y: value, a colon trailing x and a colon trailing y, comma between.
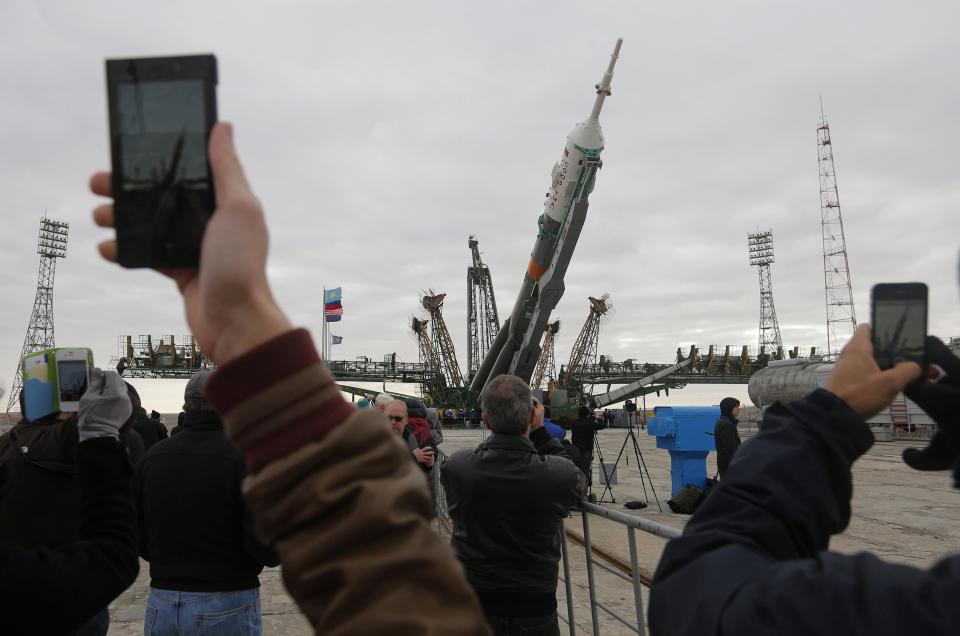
x: 379, y: 135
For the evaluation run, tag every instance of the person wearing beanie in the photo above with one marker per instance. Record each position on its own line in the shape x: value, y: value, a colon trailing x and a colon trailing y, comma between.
x: 417, y: 420
x: 196, y: 531
x: 725, y: 433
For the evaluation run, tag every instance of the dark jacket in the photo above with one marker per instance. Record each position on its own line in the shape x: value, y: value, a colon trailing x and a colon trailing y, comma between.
x: 42, y: 505
x: 195, y: 530
x: 507, y: 499
x: 581, y: 433
x: 754, y: 559
x: 151, y: 430
x: 727, y: 440
x: 55, y: 591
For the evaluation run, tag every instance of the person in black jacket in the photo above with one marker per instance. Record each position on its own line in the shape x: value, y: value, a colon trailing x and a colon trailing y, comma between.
x: 754, y: 559
x: 64, y: 590
x: 150, y: 429
x: 726, y: 436
x: 582, y: 430
x: 507, y: 499
x: 196, y: 532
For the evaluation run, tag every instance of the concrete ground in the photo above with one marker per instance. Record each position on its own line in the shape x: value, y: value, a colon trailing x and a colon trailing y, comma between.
x: 899, y: 514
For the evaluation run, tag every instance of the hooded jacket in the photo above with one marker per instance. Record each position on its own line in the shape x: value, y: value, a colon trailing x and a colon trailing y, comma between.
x: 726, y: 436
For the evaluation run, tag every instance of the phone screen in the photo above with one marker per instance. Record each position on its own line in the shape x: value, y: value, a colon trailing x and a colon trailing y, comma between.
x: 72, y: 378
x: 899, y: 330
x: 165, y: 176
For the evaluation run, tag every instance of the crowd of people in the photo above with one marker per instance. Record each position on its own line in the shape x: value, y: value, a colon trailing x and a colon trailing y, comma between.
x: 270, y: 464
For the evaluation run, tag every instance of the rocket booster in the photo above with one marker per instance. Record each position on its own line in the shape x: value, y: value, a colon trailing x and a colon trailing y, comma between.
x: 517, y: 346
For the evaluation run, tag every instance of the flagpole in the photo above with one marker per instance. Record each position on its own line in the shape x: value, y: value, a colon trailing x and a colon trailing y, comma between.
x: 323, y: 313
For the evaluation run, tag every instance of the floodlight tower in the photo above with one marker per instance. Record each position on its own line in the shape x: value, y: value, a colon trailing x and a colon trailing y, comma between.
x: 841, y: 317
x: 760, y: 246
x: 51, y: 245
x: 482, y: 320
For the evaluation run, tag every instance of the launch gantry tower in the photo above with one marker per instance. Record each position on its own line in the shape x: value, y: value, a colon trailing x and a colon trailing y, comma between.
x: 482, y: 320
x: 446, y: 355
x: 51, y: 245
x: 428, y: 358
x: 760, y: 247
x: 546, y: 364
x: 584, y: 351
x: 841, y: 316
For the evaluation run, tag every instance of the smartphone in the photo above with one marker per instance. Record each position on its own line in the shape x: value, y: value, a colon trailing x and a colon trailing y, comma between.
x: 898, y: 318
x: 73, y: 373
x: 161, y: 113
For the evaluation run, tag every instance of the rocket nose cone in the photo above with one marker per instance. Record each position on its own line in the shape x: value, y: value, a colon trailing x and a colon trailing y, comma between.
x: 587, y: 135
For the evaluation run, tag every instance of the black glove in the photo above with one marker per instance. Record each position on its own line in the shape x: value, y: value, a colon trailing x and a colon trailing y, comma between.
x: 941, y: 401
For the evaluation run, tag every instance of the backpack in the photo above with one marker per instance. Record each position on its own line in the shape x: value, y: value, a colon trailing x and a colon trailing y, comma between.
x: 687, y: 500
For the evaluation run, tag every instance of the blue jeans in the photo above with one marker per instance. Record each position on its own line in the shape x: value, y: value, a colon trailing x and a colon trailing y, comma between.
x: 171, y: 613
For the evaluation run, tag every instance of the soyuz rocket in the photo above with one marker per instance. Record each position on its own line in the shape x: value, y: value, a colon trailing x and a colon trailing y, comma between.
x: 517, y: 345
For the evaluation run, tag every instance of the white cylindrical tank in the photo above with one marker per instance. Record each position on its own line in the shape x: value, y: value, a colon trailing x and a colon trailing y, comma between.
x: 787, y: 380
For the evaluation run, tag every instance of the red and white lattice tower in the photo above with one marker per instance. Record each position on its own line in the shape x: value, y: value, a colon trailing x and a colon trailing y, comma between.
x: 841, y: 316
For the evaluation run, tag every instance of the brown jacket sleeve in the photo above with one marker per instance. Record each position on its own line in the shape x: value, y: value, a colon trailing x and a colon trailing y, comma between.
x: 338, y: 497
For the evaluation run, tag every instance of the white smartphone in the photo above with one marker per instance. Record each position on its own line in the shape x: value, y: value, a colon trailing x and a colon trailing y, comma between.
x: 73, y: 373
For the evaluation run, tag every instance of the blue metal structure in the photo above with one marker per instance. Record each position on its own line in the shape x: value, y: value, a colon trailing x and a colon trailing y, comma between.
x: 686, y: 432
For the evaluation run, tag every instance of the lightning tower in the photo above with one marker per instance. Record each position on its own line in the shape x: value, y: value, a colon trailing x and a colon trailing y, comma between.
x: 546, y: 365
x: 584, y: 351
x: 51, y: 245
x: 445, y: 354
x: 482, y: 320
x: 841, y: 317
x: 760, y: 246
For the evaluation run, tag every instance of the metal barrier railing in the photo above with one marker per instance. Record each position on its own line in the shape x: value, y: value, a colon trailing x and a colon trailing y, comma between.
x: 632, y: 573
x: 596, y: 557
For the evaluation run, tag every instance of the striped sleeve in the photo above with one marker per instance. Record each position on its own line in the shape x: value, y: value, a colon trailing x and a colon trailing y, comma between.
x: 277, y: 398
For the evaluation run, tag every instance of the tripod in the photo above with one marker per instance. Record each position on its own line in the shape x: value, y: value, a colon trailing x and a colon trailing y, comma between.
x: 638, y: 455
x: 598, y: 453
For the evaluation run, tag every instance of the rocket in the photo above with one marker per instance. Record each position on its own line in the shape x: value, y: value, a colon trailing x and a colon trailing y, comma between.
x: 517, y: 346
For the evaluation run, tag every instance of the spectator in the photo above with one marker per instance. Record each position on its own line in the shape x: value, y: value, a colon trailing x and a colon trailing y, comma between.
x: 322, y: 473
x: 725, y: 433
x: 436, y: 431
x: 43, y: 506
x: 150, y: 430
x: 417, y: 420
x: 381, y: 401
x: 399, y: 423
x: 91, y: 557
x: 556, y: 431
x: 195, y: 530
x: 582, y: 430
x: 179, y: 426
x: 754, y: 557
x: 507, y: 499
